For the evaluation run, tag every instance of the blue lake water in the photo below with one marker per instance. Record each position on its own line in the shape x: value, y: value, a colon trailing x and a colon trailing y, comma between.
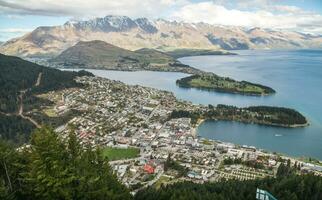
x: 295, y: 75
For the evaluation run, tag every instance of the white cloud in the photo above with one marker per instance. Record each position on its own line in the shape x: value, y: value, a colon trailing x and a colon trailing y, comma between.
x: 8, y: 33
x: 292, y: 18
x: 15, y: 30
x: 288, y: 9
x: 88, y: 8
x: 249, y: 13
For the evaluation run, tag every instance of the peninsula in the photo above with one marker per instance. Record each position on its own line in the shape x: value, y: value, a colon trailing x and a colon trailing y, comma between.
x: 212, y: 82
x: 263, y: 115
x: 179, y: 53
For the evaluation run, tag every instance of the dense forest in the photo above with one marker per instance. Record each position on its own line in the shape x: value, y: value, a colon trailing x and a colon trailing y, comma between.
x: 284, y: 115
x: 18, y: 75
x: 291, y: 187
x: 268, y: 115
x: 52, y: 169
x: 15, y: 128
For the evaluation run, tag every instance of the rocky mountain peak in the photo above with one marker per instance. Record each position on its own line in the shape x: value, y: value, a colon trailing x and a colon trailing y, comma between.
x: 146, y: 25
x: 113, y: 23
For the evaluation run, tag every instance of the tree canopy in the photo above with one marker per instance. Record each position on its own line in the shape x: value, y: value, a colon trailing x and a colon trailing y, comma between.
x: 53, y: 169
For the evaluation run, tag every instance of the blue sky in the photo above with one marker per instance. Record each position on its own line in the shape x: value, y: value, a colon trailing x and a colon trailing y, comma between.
x: 18, y: 17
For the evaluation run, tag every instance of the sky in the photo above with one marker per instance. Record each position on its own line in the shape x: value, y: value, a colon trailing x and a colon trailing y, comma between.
x: 17, y: 17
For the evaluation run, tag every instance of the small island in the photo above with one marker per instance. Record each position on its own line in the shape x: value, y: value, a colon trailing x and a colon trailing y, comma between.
x: 210, y: 81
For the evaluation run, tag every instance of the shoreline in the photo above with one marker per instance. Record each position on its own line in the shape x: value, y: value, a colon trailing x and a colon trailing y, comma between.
x: 218, y: 90
x: 300, y: 158
x: 195, y: 127
x: 262, y: 123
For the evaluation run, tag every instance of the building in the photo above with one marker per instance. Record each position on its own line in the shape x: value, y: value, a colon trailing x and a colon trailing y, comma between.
x: 149, y: 168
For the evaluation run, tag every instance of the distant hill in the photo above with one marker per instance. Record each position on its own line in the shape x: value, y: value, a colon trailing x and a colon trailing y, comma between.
x: 98, y: 53
x: 101, y: 55
x: 140, y: 33
x: 18, y: 76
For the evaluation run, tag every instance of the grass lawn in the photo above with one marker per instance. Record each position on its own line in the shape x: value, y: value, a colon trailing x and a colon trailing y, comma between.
x: 165, y: 180
x: 119, y: 154
x: 50, y: 112
x: 212, y: 82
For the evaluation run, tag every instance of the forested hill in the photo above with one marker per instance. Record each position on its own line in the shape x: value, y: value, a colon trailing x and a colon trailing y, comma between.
x: 17, y: 77
x: 290, y: 187
x: 17, y: 74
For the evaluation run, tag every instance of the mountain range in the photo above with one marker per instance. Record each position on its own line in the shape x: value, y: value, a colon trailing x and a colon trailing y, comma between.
x: 133, y: 34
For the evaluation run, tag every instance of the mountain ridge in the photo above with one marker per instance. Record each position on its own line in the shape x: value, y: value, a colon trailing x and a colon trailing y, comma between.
x: 133, y: 34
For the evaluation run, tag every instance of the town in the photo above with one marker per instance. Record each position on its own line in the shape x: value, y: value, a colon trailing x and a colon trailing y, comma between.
x: 147, y: 147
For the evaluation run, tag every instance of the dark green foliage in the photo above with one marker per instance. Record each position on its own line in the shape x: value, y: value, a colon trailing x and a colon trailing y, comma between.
x: 284, y: 115
x: 231, y: 161
x: 9, y: 168
x: 249, y: 163
x: 286, y: 170
x: 52, y: 169
x: 307, y: 187
x: 213, y: 82
x: 194, y: 116
x: 256, y: 114
x: 173, y: 165
x: 267, y: 90
x: 14, y: 128
x: 17, y: 75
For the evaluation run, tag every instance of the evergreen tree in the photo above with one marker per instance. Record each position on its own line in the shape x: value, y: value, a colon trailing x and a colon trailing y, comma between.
x: 53, y: 169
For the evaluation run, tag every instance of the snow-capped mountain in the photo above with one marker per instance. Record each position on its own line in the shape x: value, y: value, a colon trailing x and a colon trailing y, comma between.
x: 139, y: 33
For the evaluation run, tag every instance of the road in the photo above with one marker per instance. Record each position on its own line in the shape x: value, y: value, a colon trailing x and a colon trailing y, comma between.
x: 20, y: 113
x: 21, y: 95
x: 38, y: 79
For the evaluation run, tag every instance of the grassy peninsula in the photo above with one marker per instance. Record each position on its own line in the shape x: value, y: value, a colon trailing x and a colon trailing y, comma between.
x: 210, y: 81
x: 179, y: 53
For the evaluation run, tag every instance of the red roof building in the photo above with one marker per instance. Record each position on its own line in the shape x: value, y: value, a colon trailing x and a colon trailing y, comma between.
x: 149, y: 169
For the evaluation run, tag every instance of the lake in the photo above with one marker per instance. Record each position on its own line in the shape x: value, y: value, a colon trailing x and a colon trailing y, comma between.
x: 295, y: 75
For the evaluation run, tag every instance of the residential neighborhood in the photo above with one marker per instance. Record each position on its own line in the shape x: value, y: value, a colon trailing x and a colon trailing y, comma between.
x: 122, y: 118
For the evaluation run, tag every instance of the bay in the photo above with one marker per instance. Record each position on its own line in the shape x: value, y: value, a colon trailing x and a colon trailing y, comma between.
x: 295, y: 75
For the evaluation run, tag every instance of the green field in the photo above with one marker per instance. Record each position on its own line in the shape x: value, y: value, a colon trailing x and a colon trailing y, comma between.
x: 118, y: 154
x: 179, y: 53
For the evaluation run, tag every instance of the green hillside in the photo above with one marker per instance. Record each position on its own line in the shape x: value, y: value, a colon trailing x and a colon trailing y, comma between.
x: 101, y: 55
x: 17, y: 77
